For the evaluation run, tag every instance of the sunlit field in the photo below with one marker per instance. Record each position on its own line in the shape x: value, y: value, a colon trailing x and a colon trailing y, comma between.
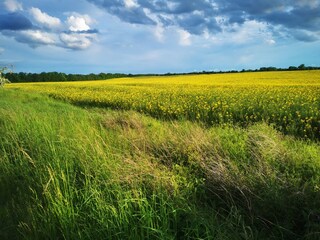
x: 224, y: 156
x: 287, y: 100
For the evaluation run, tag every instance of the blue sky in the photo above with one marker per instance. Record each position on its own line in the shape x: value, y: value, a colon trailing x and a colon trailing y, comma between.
x: 157, y: 36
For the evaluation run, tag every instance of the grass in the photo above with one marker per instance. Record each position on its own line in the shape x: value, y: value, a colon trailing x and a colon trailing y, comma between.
x: 73, y: 173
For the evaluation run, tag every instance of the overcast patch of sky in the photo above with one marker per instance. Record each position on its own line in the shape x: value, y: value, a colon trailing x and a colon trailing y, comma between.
x: 144, y: 36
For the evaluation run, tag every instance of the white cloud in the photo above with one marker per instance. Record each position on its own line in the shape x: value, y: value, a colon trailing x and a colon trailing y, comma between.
x: 39, y: 37
x: 44, y: 19
x: 77, y: 41
x: 74, y: 33
x: 78, y: 38
x: 130, y: 4
x: 71, y: 40
x: 34, y: 38
x: 172, y: 5
x: 270, y: 41
x: 87, y: 18
x: 13, y: 5
x: 184, y: 38
x: 78, y: 23
x: 250, y: 32
x: 159, y: 33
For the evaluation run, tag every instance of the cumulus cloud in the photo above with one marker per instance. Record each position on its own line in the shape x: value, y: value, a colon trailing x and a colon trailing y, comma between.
x: 1, y: 50
x: 77, y: 41
x: 13, y: 5
x: 79, y: 35
x: 44, y: 19
x: 33, y: 38
x: 38, y: 37
x: 77, y: 24
x: 215, y: 16
x: 45, y: 30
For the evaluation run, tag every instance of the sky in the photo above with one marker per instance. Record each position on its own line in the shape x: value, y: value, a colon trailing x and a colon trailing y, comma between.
x: 157, y: 36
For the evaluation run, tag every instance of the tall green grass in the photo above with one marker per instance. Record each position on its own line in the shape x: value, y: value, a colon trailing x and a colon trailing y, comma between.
x: 72, y: 173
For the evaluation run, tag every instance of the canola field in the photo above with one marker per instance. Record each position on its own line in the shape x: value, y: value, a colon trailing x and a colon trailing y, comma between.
x: 289, y: 101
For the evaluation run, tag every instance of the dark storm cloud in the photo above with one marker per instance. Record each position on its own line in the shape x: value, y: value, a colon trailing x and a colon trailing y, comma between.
x: 194, y: 16
x: 288, y: 13
x: 118, y: 8
x: 133, y: 16
x: 197, y: 24
x: 14, y: 22
x: 90, y: 31
x: 304, y: 36
x: 176, y: 6
x: 302, y: 18
x: 197, y: 16
x: 20, y: 28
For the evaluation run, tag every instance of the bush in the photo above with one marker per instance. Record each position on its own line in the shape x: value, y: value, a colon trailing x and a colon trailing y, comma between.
x: 3, y: 79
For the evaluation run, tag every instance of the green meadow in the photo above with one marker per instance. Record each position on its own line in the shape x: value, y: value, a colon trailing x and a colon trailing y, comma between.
x: 87, y: 172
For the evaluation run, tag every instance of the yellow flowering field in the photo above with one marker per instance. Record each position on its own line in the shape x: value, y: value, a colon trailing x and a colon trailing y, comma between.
x: 288, y: 100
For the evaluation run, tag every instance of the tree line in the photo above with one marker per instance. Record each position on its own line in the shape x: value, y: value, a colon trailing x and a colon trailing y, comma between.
x: 58, y: 77
x: 63, y: 77
x: 291, y: 68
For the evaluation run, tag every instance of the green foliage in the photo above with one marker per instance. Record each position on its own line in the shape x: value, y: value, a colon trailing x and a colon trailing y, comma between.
x: 63, y: 77
x: 71, y: 173
x: 59, y: 77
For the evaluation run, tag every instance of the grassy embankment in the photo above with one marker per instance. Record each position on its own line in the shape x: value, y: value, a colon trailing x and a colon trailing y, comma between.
x: 72, y: 173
